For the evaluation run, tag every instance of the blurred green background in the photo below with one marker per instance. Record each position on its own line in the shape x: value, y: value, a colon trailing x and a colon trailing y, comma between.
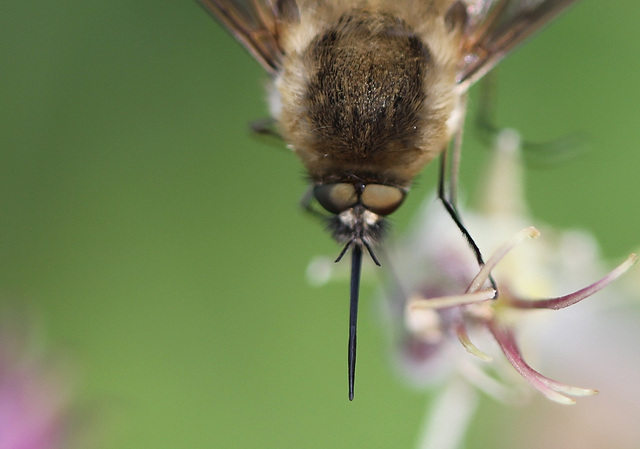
x: 163, y: 247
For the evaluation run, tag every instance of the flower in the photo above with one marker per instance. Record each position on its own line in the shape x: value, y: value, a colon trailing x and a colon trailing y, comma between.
x: 441, y: 297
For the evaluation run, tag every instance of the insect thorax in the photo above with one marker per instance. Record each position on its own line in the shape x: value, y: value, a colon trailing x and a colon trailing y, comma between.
x: 364, y: 103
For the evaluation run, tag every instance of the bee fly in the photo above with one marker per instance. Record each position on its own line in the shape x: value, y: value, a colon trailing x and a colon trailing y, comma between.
x: 367, y: 92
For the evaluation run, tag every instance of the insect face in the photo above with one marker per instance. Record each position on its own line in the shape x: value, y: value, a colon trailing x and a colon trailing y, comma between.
x: 367, y: 92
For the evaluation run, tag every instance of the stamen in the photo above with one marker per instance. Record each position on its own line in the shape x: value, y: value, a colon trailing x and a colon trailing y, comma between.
x: 485, y: 270
x: 567, y: 300
x: 421, y: 303
x: 553, y: 390
x: 463, y: 337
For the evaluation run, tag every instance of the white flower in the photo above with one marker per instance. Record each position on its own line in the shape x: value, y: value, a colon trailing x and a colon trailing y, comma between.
x: 441, y: 297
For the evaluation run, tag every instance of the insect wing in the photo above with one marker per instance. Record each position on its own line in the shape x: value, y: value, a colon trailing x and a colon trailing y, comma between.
x: 495, y: 27
x: 255, y: 24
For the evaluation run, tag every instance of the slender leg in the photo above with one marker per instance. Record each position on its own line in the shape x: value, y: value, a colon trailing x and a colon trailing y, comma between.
x: 306, y: 202
x: 449, y: 199
x: 486, y: 116
x: 542, y: 153
x: 265, y: 126
x: 266, y: 131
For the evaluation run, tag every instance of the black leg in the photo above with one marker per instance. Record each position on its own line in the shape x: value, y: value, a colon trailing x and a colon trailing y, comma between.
x: 306, y: 202
x: 449, y: 202
x: 486, y: 116
x: 543, y: 153
x: 265, y: 126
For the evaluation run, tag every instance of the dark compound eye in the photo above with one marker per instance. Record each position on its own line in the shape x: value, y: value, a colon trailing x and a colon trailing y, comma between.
x: 381, y: 199
x: 336, y: 198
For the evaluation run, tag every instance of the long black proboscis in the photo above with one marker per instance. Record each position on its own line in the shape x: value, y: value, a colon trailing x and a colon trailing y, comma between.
x: 356, y: 268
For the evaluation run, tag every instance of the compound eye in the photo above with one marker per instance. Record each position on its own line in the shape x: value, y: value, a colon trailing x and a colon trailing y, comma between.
x: 381, y: 199
x: 336, y: 198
